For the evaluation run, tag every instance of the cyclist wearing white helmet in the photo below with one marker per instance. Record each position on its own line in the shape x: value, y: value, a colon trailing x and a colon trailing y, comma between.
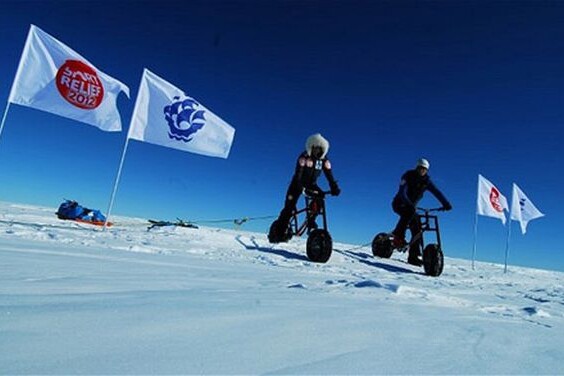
x: 413, y: 185
x: 309, y: 166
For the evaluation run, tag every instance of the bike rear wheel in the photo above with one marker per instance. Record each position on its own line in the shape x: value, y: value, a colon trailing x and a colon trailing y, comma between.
x: 276, y: 234
x: 382, y: 245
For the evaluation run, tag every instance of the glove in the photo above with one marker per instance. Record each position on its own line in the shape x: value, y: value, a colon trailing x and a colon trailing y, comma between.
x: 335, y: 190
x: 447, y: 207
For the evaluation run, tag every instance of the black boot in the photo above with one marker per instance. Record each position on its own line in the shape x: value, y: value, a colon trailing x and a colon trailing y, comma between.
x: 311, y: 225
x: 414, y: 257
x: 414, y: 261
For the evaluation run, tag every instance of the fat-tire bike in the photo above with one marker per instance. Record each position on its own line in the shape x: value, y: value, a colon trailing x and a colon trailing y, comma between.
x: 433, y: 257
x: 319, y: 244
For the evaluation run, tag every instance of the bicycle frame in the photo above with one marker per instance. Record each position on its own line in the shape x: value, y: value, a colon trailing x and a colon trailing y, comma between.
x: 314, y: 206
x: 427, y: 222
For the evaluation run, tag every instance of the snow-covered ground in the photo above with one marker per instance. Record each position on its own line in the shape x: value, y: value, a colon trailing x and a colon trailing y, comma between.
x: 76, y: 300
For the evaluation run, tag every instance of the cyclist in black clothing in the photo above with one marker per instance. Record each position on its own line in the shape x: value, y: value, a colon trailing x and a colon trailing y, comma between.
x: 412, y: 186
x: 309, y: 166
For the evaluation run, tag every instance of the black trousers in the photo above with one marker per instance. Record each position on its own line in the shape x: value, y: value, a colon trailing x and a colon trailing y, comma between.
x: 292, y: 195
x: 408, y: 218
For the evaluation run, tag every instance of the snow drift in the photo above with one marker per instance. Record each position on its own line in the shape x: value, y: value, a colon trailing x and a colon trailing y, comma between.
x: 77, y: 300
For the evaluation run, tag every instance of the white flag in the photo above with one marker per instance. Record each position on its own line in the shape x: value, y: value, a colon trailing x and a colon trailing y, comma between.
x: 52, y: 77
x: 164, y: 115
x: 522, y: 209
x: 491, y: 202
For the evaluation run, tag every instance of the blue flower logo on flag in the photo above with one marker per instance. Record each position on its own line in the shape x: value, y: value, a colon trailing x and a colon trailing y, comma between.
x: 522, y: 202
x: 184, y: 118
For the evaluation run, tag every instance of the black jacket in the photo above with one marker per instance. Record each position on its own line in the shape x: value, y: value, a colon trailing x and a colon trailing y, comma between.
x: 412, y: 187
x: 308, y: 170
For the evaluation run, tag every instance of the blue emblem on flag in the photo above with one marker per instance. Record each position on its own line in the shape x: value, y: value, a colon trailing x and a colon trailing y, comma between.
x: 522, y: 203
x: 184, y: 118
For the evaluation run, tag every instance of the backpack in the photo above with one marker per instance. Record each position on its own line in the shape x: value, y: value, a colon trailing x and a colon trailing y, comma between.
x: 71, y: 209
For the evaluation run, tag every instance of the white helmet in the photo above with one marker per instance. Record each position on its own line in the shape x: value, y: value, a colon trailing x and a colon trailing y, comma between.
x: 423, y: 163
x: 319, y: 141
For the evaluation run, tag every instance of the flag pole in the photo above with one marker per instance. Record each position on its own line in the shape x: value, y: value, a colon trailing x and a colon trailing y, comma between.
x: 475, y: 239
x: 509, y: 228
x: 4, y: 117
x: 17, y: 76
x: 112, y: 198
x: 116, y: 184
x: 476, y: 223
x: 507, y: 244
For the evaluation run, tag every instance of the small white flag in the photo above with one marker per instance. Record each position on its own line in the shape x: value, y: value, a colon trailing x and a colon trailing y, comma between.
x: 522, y: 209
x: 164, y: 115
x: 491, y: 202
x: 52, y: 77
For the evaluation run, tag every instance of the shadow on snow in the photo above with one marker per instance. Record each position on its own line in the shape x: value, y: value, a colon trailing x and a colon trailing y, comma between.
x: 370, y: 261
x: 280, y: 252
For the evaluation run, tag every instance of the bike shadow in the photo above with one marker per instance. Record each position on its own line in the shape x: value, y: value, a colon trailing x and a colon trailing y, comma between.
x: 280, y: 252
x: 370, y: 261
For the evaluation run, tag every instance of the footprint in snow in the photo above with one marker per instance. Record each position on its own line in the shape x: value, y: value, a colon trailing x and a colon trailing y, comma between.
x: 537, y: 299
x: 368, y: 283
x: 297, y: 286
x: 534, y: 311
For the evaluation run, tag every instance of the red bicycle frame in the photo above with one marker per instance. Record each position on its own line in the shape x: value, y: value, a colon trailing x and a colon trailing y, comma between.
x: 314, y: 206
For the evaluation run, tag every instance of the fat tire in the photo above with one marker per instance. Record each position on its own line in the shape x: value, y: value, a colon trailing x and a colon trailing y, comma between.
x: 319, y: 246
x: 276, y: 235
x: 433, y: 260
x: 382, y: 245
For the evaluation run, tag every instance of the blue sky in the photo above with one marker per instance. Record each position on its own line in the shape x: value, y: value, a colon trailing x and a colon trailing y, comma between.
x: 475, y: 87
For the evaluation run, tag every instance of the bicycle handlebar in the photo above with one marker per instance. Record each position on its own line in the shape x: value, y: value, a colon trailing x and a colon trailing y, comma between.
x: 314, y: 193
x: 425, y: 210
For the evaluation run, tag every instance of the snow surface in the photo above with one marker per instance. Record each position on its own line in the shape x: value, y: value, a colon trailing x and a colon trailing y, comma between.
x: 76, y: 300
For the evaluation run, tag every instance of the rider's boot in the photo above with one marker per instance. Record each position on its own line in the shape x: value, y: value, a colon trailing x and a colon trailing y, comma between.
x: 311, y: 224
x: 398, y: 241
x: 414, y: 261
x: 414, y: 258
x: 273, y: 236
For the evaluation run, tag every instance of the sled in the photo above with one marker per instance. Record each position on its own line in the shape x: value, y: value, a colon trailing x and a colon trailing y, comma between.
x: 94, y: 223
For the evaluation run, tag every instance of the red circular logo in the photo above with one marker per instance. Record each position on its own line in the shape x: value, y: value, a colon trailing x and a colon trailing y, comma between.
x: 494, y: 199
x: 79, y: 84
